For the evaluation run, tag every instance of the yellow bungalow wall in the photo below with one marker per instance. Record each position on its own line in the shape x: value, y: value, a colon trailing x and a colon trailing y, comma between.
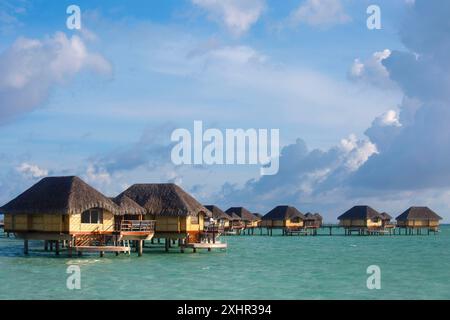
x: 418, y: 223
x: 77, y: 226
x: 282, y: 223
x: 36, y: 223
x: 55, y: 223
x: 176, y: 224
x: 360, y: 223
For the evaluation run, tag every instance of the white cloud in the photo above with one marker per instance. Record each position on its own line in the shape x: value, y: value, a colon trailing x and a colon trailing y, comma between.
x: 372, y: 71
x: 238, y: 16
x: 31, y: 67
x: 97, y: 177
x: 357, y: 152
x: 320, y: 13
x: 32, y: 170
x: 389, y: 118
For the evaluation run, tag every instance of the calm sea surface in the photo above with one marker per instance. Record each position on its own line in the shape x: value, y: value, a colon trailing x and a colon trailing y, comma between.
x: 253, y: 267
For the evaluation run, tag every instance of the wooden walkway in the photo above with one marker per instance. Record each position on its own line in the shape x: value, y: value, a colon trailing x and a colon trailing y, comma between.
x: 103, y: 249
x: 205, y: 245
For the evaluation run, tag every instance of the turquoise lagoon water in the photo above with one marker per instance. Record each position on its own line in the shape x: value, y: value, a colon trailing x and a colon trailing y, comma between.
x: 253, y: 267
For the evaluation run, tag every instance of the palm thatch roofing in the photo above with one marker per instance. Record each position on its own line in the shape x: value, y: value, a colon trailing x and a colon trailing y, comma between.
x: 59, y: 195
x: 318, y: 216
x: 283, y: 213
x: 360, y: 213
x: 128, y: 206
x: 313, y: 216
x: 165, y: 199
x: 217, y: 213
x: 385, y: 216
x: 234, y: 217
x: 243, y: 213
x: 258, y: 215
x: 418, y: 213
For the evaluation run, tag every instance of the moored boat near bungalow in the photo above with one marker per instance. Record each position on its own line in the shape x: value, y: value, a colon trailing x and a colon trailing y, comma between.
x: 177, y: 214
x: 361, y: 219
x: 62, y: 210
x: 418, y: 218
x: 283, y: 217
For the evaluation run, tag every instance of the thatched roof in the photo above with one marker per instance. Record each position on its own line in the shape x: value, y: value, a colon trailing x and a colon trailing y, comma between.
x: 385, y: 216
x: 128, y: 206
x: 59, y: 195
x: 243, y: 213
x: 165, y: 199
x: 258, y: 215
x: 283, y: 213
x: 318, y: 216
x: 217, y: 213
x: 360, y: 212
x: 418, y: 213
x: 234, y: 217
x: 310, y: 216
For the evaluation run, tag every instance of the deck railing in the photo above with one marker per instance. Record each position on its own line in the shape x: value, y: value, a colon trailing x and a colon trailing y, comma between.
x: 137, y: 225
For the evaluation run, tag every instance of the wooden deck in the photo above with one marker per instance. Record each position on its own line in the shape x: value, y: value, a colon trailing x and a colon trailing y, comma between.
x: 205, y: 245
x: 103, y: 249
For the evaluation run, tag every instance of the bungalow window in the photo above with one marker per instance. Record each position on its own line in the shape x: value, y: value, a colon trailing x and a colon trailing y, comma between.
x: 194, y: 219
x: 295, y: 220
x: 93, y: 216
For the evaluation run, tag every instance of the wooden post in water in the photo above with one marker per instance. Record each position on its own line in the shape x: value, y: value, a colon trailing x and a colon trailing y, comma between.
x: 57, y: 247
x: 166, y: 244
x: 182, y: 242
x: 46, y: 245
x: 140, y: 245
x: 69, y: 249
x: 25, y: 246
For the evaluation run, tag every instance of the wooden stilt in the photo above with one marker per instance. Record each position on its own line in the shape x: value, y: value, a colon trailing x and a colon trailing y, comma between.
x: 69, y: 249
x: 140, y: 245
x: 57, y: 247
x: 46, y: 245
x: 166, y: 244
x: 25, y: 246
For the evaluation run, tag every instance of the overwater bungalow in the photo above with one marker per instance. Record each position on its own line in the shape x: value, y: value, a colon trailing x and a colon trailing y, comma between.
x: 386, y: 220
x: 66, y: 210
x: 250, y: 221
x: 177, y: 214
x: 360, y: 219
x: 220, y: 218
x: 236, y: 223
x: 418, y: 218
x: 312, y: 220
x: 283, y: 217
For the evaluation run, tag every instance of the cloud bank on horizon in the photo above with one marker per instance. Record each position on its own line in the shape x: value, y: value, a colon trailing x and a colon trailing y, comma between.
x: 394, y: 97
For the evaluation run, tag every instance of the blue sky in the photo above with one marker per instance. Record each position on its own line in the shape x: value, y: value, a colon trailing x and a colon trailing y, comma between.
x: 101, y: 102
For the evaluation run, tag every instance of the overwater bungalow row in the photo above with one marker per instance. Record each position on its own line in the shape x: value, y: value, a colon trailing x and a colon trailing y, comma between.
x: 66, y: 211
x: 366, y: 220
